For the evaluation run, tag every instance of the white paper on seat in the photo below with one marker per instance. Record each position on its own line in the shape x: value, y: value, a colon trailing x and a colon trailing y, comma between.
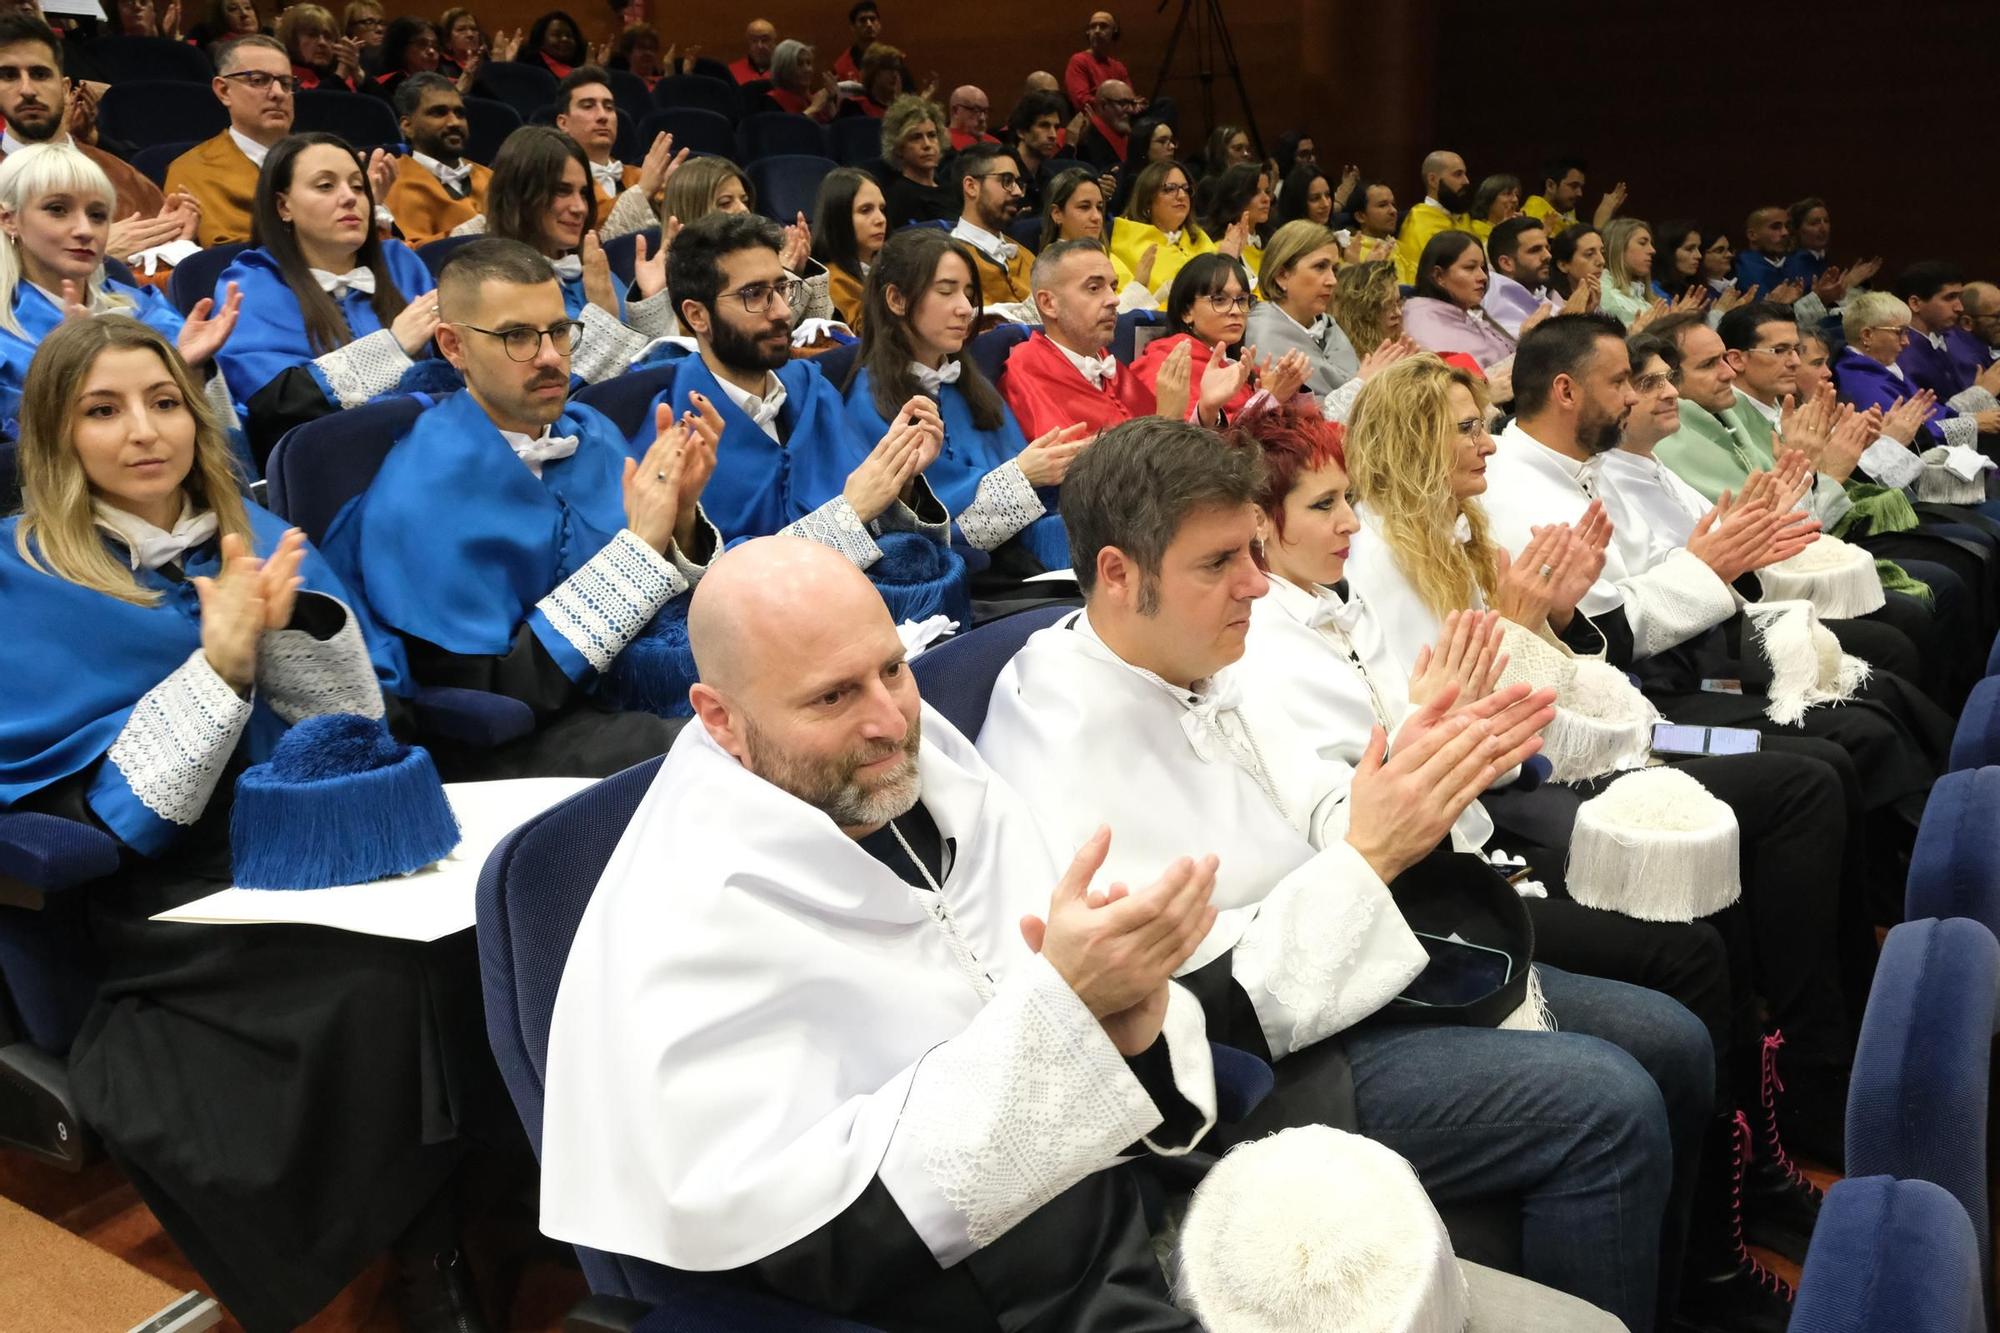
x: 425, y: 905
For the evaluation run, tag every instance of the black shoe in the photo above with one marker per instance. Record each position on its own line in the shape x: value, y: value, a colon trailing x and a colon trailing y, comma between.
x: 1749, y: 1298
x: 1802, y: 1112
x: 434, y: 1295
x: 1779, y: 1212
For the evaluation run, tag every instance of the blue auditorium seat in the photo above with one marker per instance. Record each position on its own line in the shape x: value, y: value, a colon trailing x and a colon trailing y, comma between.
x: 836, y: 364
x: 631, y: 94
x: 436, y: 253
x: 195, y: 277
x: 525, y: 87
x: 693, y: 127
x: 989, y: 350
x: 621, y: 252
x: 1955, y: 866
x: 153, y: 160
x: 1890, y: 1255
x: 127, y: 59
x: 625, y: 398
x: 693, y: 90
x: 1993, y: 657
x: 1026, y: 231
x: 488, y: 123
x: 1124, y: 343
x: 855, y: 140
x: 770, y: 133
x: 1976, y: 742
x: 364, y: 120
x: 1917, y: 1106
x: 143, y: 112
x: 956, y: 677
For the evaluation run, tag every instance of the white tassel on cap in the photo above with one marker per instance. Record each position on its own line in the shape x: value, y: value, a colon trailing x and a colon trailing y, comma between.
x: 1807, y: 665
x: 1602, y: 723
x: 1313, y: 1230
x: 1838, y: 579
x: 1657, y: 846
x: 1534, y: 1015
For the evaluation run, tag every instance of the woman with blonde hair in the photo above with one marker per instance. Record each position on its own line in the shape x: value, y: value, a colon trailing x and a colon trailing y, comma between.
x: 1299, y: 278
x: 1367, y: 304
x: 264, y: 1090
x: 1628, y: 269
x: 55, y: 213
x: 913, y: 144
x: 707, y: 185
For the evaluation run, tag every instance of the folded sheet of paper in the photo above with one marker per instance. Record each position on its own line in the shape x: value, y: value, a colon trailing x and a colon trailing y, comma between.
x: 427, y: 904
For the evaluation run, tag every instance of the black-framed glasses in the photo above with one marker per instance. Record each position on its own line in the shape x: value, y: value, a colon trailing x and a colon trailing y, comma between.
x: 1224, y: 304
x: 257, y: 81
x: 1008, y: 180
x: 757, y: 296
x: 524, y: 343
x: 1174, y: 187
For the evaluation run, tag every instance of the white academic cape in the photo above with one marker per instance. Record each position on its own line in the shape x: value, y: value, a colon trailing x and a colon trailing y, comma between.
x: 757, y: 1018
x: 1088, y: 739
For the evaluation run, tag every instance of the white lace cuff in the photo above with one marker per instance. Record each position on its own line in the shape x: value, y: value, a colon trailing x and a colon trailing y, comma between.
x: 301, y: 676
x: 216, y: 391
x: 1004, y: 504
x: 1960, y: 431
x: 653, y: 316
x: 178, y: 739
x: 1029, y: 1099
x: 1975, y: 399
x: 607, y: 347
x: 1339, y: 405
x: 817, y: 303
x: 1891, y: 463
x: 1326, y: 949
x: 686, y: 565
x: 472, y: 226
x: 836, y: 524
x: 630, y: 212
x: 365, y: 367
x: 600, y: 607
x: 1674, y: 601
x: 1186, y: 1034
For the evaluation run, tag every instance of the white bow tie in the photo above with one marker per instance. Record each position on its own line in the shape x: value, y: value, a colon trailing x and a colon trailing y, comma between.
x: 1329, y: 609
x: 1099, y: 370
x: 569, y: 266
x: 1200, y: 721
x: 933, y: 380
x: 546, y: 448
x: 1005, y: 252
x: 150, y: 547
x: 610, y: 175
x: 1937, y: 340
x: 454, y: 179
x: 1319, y: 330
x: 338, y: 285
x: 1173, y: 237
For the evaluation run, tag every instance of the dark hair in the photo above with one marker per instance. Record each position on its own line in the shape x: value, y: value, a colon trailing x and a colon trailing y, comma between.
x: 1292, y: 443
x: 1555, y: 168
x: 1796, y: 214
x: 1646, y: 344
x: 1137, y: 148
x: 495, y: 259
x: 1287, y: 154
x: 396, y: 39
x: 410, y: 93
x: 628, y: 42
x: 833, y: 218
x: 1146, y: 188
x: 1359, y: 199
x: 1505, y: 242
x: 977, y: 160
x: 1204, y: 275
x: 1559, y: 345
x: 1229, y: 194
x: 1671, y: 327
x: 531, y: 49
x: 1442, y: 251
x: 1216, y: 155
x: 326, y: 327
x: 694, y: 260
x: 1667, y: 238
x: 22, y: 26
x: 1033, y: 106
x: 909, y: 262
x: 1926, y: 278
x: 1739, y: 327
x: 1562, y: 249
x: 1292, y: 198
x: 526, y: 172
x: 1138, y: 483
x: 579, y: 77
x: 861, y: 7
x: 1489, y: 193
x: 1057, y: 195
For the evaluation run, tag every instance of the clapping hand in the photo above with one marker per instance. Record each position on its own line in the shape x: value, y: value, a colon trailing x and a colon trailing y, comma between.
x: 1387, y: 353
x: 1467, y: 657
x: 381, y: 174
x: 1283, y: 378
x: 652, y: 485
x: 798, y: 245
x: 1046, y: 462
x: 597, y: 288
x: 1235, y: 239
x: 203, y: 332
x: 893, y: 464
x: 1788, y: 291
x: 1173, y: 384
x: 660, y: 165
x: 233, y: 613
x: 1143, y: 274
x: 649, y: 272
x: 1580, y: 561
x: 1861, y: 270
x: 1732, y: 539
x: 1524, y: 591
x: 1221, y: 381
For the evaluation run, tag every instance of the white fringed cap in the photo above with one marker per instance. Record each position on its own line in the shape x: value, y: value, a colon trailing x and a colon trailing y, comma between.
x: 1313, y: 1230
x: 1838, y: 579
x: 1602, y: 723
x: 1807, y: 665
x: 1940, y: 483
x: 1657, y: 846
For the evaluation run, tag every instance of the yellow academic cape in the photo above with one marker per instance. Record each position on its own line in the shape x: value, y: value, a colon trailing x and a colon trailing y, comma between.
x: 625, y: 182
x: 1003, y: 285
x: 1129, y: 240
x: 423, y: 211
x: 223, y: 181
x: 1552, y: 222
x: 1425, y: 221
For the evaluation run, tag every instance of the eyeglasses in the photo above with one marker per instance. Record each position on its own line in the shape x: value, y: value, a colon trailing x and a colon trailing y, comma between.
x: 967, y: 106
x: 1173, y: 188
x: 1224, y: 304
x: 1657, y: 381
x: 1781, y: 351
x: 1471, y: 428
x: 1008, y: 180
x: 759, y: 297
x: 525, y: 343
x: 257, y: 81
x: 1902, y: 331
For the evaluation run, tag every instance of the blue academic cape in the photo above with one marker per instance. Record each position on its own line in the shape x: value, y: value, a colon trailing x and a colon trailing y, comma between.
x: 270, y: 335
x: 1753, y: 268
x: 1866, y: 382
x: 969, y: 453
x: 79, y: 661
x: 455, y: 540
x: 1925, y: 367
x: 39, y: 317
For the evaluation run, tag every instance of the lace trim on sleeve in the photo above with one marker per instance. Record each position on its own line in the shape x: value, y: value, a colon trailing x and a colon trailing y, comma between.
x: 836, y: 524
x: 216, y: 391
x: 1679, y: 598
x: 1960, y: 431
x: 1808, y: 310
x: 817, y: 302
x: 1339, y: 405
x: 301, y: 676
x: 653, y: 316
x: 365, y: 367
x: 472, y: 226
x: 600, y: 607
x: 180, y: 735
x: 708, y: 538
x: 1891, y: 464
x: 607, y: 347
x: 631, y: 212
x: 923, y: 513
x: 1975, y: 399
x: 1004, y: 504
x: 1028, y: 1100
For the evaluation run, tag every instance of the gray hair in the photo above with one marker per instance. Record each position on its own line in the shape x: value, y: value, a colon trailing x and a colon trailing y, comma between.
x: 1868, y: 310
x: 1043, y: 277
x: 230, y: 56
x: 786, y: 58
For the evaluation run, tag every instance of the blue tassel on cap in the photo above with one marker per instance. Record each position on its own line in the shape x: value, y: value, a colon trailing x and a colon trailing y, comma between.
x: 652, y: 675
x: 920, y: 578
x: 433, y: 375
x: 340, y: 801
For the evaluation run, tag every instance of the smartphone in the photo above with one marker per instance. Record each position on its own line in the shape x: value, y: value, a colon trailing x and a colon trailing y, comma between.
x: 1458, y: 972
x: 1674, y: 738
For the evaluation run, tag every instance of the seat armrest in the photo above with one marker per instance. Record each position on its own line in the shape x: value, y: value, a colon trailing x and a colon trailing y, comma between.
x: 478, y: 718
x: 50, y: 853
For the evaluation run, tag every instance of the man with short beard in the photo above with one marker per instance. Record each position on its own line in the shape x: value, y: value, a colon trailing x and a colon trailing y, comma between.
x: 539, y: 575
x: 989, y: 192
x: 436, y: 188
x: 1447, y: 194
x: 1518, y: 254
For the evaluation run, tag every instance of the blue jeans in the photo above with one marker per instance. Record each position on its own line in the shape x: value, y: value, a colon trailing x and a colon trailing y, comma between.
x: 1589, y: 1126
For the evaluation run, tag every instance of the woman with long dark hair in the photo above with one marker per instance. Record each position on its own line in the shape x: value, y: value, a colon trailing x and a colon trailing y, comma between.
x: 1150, y: 141
x: 850, y: 224
x: 332, y: 314
x: 923, y: 297
x: 1240, y: 198
x: 410, y: 46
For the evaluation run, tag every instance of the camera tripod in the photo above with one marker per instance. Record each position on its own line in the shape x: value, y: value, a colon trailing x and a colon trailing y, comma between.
x: 1211, y: 38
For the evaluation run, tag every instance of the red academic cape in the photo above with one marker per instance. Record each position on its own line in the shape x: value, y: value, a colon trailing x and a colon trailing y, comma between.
x: 1047, y: 393
x: 1146, y: 369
